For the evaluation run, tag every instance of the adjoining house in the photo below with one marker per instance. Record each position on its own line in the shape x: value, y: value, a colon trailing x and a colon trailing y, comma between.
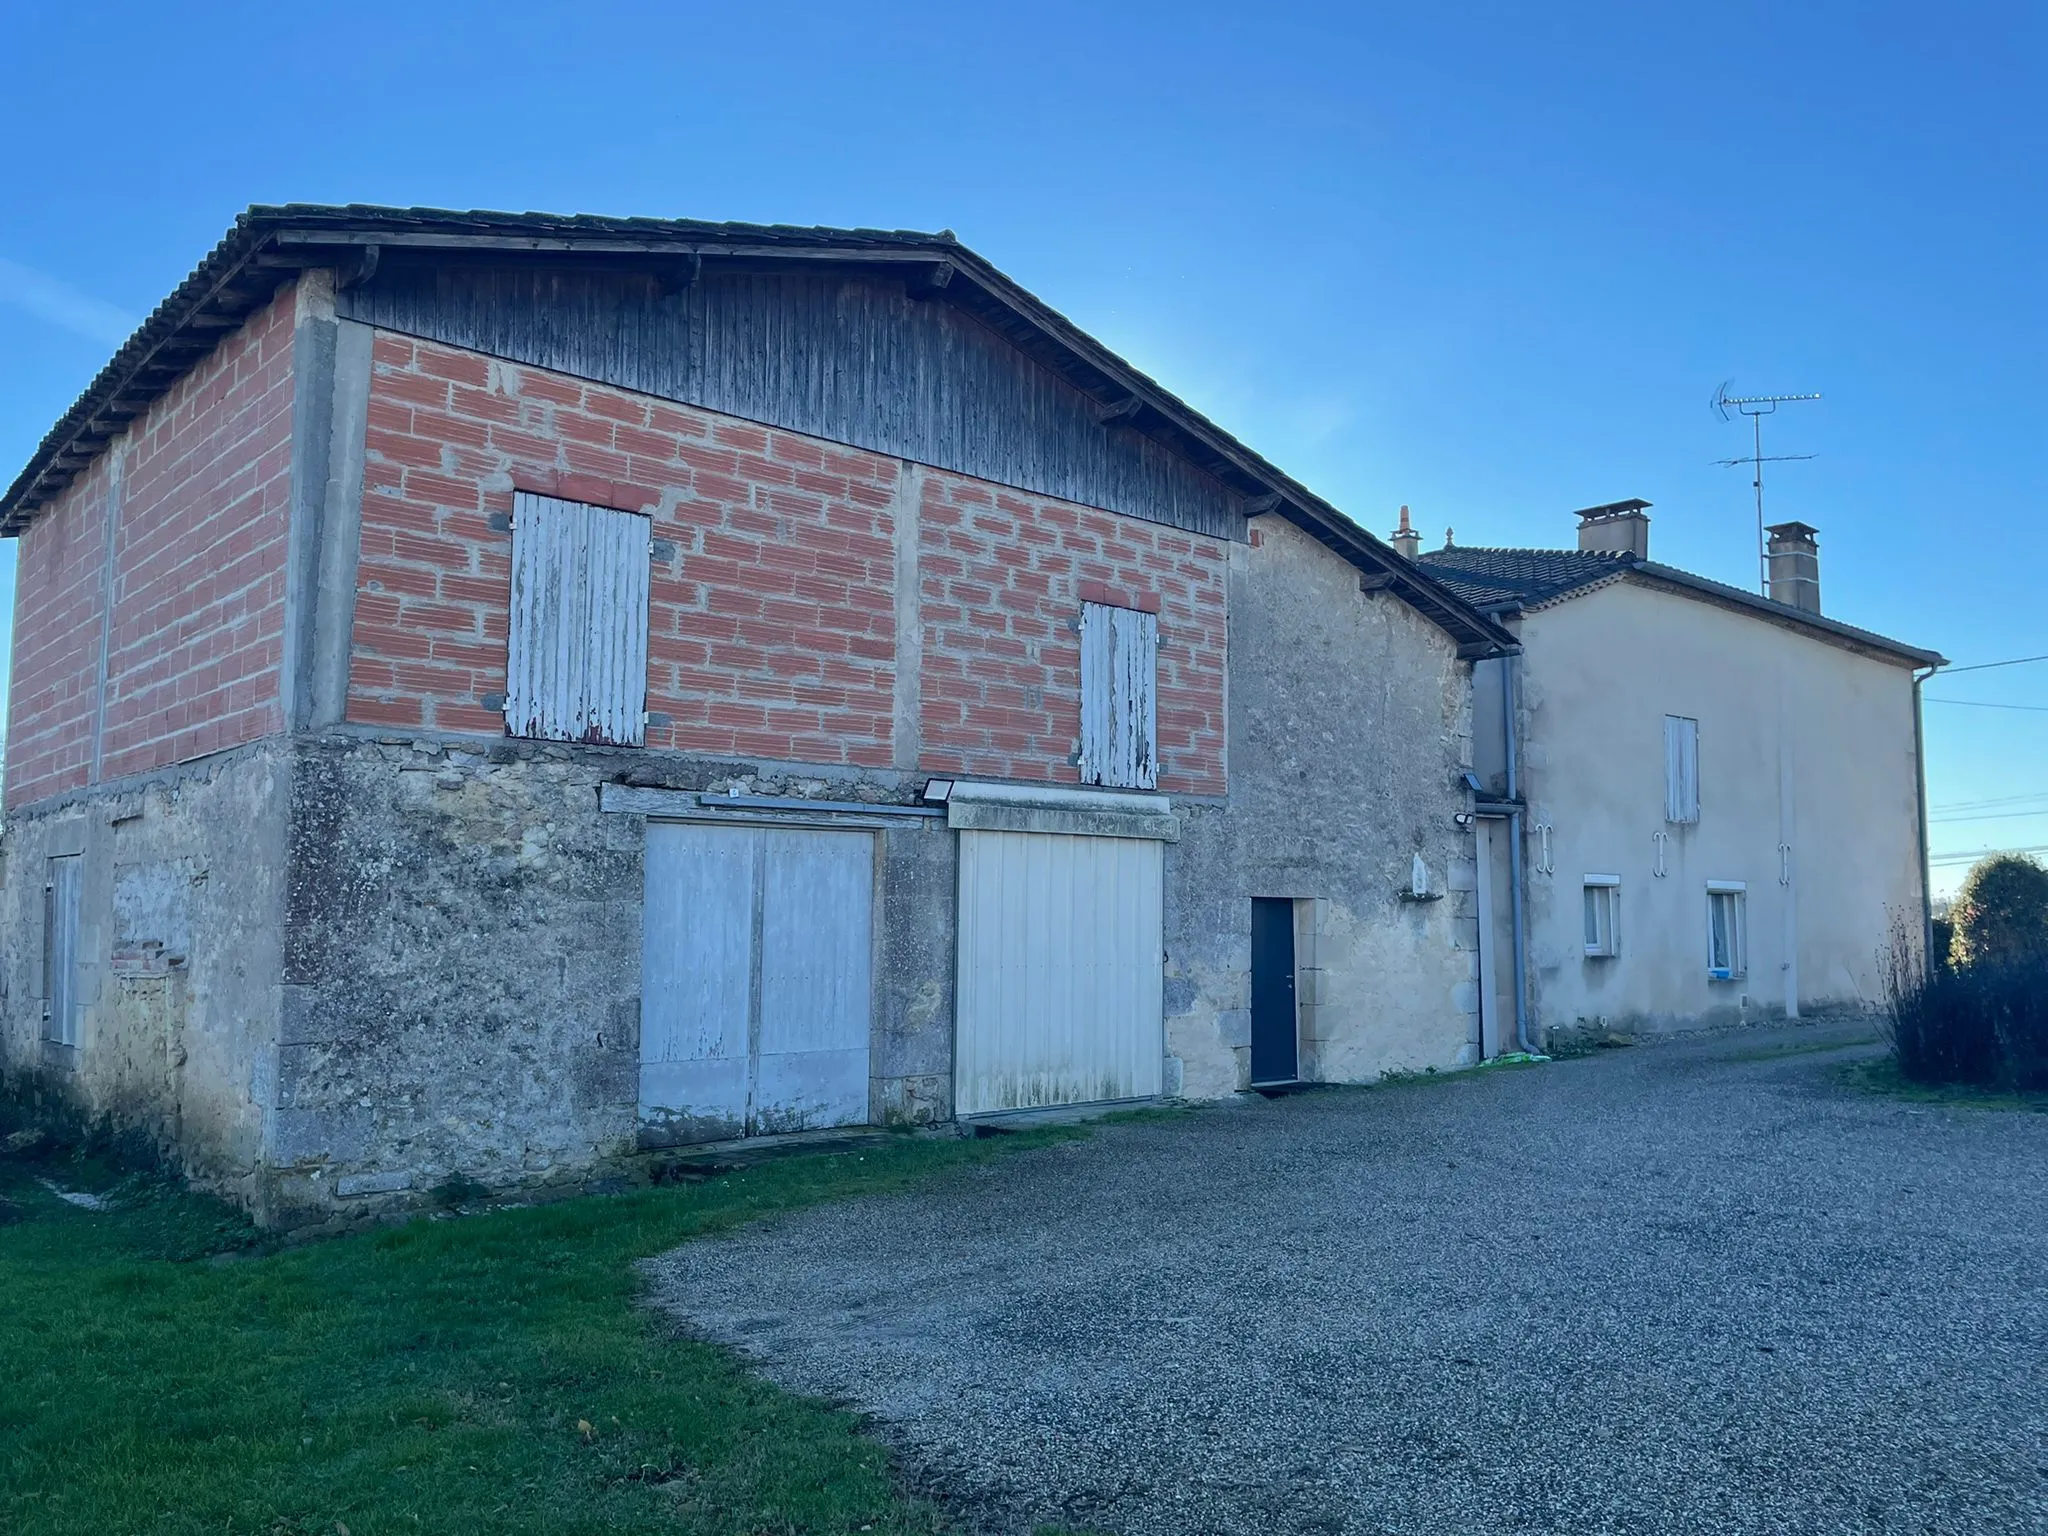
x: 1699, y: 804
x: 495, y: 692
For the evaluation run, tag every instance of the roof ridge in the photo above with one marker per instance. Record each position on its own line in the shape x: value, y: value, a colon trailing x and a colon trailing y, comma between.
x: 1528, y: 549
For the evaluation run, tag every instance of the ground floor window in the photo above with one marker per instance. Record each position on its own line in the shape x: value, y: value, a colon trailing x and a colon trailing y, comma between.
x: 1603, y: 913
x: 1727, y: 938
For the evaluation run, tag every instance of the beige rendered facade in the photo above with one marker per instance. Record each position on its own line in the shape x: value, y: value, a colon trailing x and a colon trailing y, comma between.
x: 1808, y: 802
x: 1719, y: 797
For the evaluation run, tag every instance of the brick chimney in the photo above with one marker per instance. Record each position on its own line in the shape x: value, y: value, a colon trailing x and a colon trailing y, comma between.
x: 1619, y: 527
x: 1794, y: 559
x: 1406, y: 541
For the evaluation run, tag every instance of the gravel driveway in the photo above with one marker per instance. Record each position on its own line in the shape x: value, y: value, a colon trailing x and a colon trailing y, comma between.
x: 1691, y: 1287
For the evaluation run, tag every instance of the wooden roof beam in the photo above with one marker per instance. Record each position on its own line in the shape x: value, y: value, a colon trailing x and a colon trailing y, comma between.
x: 930, y: 282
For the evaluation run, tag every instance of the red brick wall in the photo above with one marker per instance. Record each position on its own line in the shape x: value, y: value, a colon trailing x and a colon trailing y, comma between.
x: 59, y: 560
x: 197, y: 632
x: 772, y: 628
x: 1003, y: 575
x: 773, y: 625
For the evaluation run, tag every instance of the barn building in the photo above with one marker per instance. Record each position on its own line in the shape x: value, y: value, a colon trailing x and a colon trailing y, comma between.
x: 497, y: 694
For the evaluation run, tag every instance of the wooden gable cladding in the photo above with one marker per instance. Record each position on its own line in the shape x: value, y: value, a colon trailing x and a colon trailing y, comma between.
x: 852, y: 357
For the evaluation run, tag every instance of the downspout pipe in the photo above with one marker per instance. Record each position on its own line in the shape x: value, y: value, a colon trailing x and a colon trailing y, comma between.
x: 1519, y: 942
x: 1920, y: 797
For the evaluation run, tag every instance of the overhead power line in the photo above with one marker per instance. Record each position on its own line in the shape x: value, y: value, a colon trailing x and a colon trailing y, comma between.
x: 1986, y: 666
x: 1982, y: 853
x: 2033, y: 797
x: 2033, y: 709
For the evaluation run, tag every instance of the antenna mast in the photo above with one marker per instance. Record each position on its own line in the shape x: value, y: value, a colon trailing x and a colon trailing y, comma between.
x: 1756, y: 408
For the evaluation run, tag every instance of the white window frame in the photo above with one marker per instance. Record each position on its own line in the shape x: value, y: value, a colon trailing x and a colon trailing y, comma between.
x: 1603, y: 905
x: 1119, y: 697
x: 1734, y: 896
x: 576, y: 651
x: 1681, y: 770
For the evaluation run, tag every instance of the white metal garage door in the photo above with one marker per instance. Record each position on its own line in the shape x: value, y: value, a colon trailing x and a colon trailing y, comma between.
x: 1061, y: 949
x: 755, y: 979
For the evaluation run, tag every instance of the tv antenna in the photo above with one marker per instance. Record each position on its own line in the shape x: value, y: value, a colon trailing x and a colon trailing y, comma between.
x: 1756, y: 408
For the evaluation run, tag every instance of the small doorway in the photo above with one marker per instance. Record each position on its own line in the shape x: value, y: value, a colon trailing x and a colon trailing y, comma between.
x: 1275, y: 1039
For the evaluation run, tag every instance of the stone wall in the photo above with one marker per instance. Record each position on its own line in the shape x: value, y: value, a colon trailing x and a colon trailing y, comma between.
x: 1350, y: 724
x: 461, y: 964
x: 179, y: 934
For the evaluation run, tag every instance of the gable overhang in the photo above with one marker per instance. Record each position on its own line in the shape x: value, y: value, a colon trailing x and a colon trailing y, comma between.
x: 269, y: 246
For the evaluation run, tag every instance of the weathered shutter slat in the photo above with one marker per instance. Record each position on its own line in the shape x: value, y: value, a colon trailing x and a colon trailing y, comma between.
x: 577, y: 656
x: 1672, y: 772
x: 1138, y: 645
x: 1123, y: 735
x: 1692, y: 770
x: 1097, y: 650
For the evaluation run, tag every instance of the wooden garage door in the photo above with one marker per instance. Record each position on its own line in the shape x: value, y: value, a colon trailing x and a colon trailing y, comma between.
x: 755, y: 980
x: 1061, y: 949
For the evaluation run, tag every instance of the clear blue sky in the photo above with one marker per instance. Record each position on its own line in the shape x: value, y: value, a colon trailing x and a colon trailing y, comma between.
x: 1487, y: 260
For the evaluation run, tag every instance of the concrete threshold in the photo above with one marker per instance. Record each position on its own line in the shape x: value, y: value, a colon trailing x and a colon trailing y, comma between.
x: 1282, y: 1090
x: 1004, y: 1122
x: 706, y: 1159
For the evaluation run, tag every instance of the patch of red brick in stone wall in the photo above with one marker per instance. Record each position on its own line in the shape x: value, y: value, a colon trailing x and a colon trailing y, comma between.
x: 1002, y: 576
x: 772, y: 611
x: 196, y: 636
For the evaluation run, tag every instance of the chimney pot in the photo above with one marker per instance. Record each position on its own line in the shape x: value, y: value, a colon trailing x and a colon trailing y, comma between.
x: 1619, y: 527
x: 1406, y: 541
x: 1792, y: 555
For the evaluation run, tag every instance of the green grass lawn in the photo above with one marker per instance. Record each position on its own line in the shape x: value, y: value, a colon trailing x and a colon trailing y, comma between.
x: 1880, y: 1074
x: 161, y: 1371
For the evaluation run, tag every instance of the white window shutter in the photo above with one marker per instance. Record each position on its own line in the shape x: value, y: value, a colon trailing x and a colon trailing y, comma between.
x: 576, y: 663
x: 1681, y: 769
x: 1136, y: 700
x: 1096, y: 645
x: 1119, y: 697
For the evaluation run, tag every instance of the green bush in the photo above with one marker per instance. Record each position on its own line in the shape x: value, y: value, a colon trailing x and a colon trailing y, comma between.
x: 2001, y: 913
x: 1983, y: 1024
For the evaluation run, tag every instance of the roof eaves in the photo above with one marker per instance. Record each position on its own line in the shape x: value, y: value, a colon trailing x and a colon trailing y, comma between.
x: 161, y: 351
x: 269, y: 242
x: 1784, y: 613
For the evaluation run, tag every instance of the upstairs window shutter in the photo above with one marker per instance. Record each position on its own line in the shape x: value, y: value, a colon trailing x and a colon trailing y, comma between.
x: 1119, y: 697
x: 576, y: 664
x: 1681, y: 769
